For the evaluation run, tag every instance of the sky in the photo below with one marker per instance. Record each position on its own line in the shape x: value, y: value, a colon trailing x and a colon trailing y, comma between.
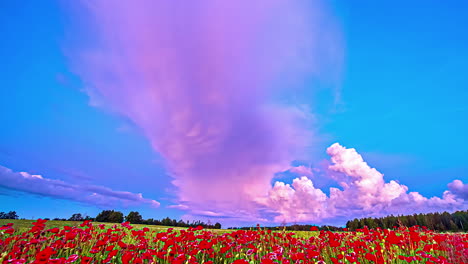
x: 240, y: 113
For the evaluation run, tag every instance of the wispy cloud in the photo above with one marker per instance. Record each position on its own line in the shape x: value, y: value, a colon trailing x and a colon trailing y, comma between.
x: 89, y: 194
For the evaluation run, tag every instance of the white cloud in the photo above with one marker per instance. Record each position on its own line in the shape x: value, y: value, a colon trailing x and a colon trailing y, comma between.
x: 364, y: 192
x: 301, y: 201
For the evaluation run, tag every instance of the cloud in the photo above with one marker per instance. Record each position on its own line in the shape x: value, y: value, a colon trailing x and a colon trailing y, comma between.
x: 89, y: 194
x: 302, y: 170
x: 459, y: 189
x: 200, y: 80
x: 366, y: 192
x: 301, y: 202
x: 365, y: 185
x: 363, y: 193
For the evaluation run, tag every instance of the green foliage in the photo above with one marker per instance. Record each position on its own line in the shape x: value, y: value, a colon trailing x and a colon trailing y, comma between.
x: 110, y: 216
x: 443, y: 222
x: 116, y: 217
x: 134, y: 218
x: 103, y: 216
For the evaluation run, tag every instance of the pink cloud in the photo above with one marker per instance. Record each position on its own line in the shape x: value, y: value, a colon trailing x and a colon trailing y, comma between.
x: 302, y: 170
x: 199, y: 79
x: 89, y: 194
x: 299, y: 202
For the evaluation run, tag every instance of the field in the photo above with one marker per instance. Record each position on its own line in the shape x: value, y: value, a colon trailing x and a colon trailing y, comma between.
x: 42, y: 241
x: 22, y: 225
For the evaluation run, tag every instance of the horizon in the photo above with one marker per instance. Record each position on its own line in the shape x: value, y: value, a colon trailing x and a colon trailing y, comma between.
x: 225, y: 113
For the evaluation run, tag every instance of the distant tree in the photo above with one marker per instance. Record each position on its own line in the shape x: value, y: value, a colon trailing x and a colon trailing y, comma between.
x: 217, y: 226
x: 461, y: 219
x: 180, y: 223
x: 370, y: 222
x: 12, y: 215
x: 110, y: 216
x: 453, y: 226
x: 134, y: 218
x: 116, y: 217
x: 166, y: 221
x: 76, y: 217
x: 362, y: 223
x: 412, y: 220
x: 353, y: 225
x: 9, y: 215
x: 149, y: 221
x: 104, y: 216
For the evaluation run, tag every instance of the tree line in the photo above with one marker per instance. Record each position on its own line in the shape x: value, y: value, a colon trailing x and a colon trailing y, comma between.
x: 454, y: 222
x: 112, y: 216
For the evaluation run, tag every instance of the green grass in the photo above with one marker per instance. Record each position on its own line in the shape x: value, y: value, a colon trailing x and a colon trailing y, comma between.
x: 24, y: 225
x: 27, y: 224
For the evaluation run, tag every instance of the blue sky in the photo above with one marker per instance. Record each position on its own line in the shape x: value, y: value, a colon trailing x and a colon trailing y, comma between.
x: 405, y: 88
x: 403, y: 93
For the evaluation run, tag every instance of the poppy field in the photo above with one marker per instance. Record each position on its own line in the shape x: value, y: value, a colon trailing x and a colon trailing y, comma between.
x: 123, y: 243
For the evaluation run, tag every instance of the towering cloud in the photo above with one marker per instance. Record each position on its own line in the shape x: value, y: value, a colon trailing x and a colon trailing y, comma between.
x: 199, y: 78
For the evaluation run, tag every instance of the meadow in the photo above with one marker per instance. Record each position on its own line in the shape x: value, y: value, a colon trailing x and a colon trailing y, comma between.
x: 41, y: 241
x: 24, y: 225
